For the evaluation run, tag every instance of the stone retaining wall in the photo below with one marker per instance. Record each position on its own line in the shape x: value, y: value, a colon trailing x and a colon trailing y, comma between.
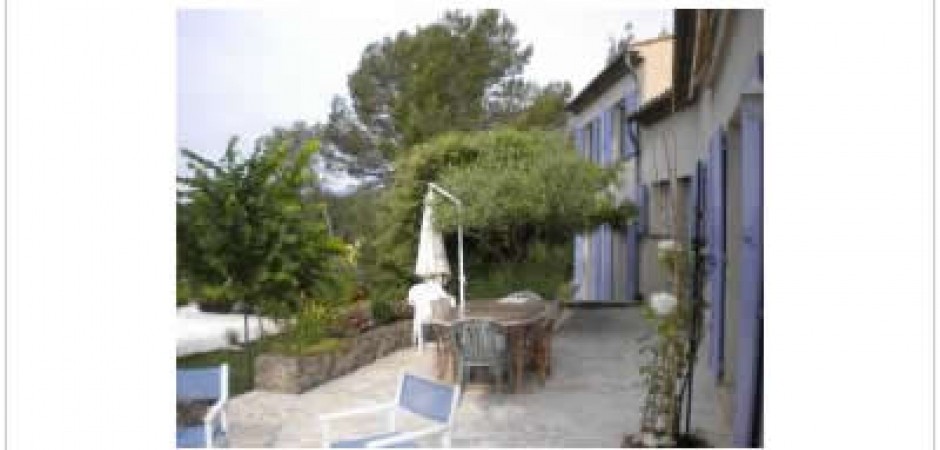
x: 296, y: 374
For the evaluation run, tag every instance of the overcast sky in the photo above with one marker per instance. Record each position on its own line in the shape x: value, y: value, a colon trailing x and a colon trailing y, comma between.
x: 242, y: 72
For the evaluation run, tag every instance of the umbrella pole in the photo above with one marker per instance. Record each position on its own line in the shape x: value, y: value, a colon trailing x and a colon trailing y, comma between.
x: 463, y: 279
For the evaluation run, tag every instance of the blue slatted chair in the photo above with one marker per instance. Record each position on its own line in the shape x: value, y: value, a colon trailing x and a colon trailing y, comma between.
x: 426, y: 398
x: 203, y: 384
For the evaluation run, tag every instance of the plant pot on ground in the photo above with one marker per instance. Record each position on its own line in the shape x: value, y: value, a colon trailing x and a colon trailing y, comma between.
x: 683, y: 441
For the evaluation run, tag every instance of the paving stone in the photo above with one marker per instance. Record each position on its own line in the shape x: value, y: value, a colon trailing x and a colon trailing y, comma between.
x: 592, y: 398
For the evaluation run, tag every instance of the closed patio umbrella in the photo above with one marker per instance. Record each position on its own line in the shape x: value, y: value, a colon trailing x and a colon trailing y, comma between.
x: 431, y: 266
x: 432, y: 261
x: 432, y: 258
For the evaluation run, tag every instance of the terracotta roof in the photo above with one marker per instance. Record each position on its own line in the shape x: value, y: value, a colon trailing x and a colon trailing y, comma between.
x: 651, y: 40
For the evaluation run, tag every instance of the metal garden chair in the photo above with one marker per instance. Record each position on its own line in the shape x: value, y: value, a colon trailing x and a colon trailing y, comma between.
x: 426, y: 398
x: 204, y: 384
x: 479, y: 343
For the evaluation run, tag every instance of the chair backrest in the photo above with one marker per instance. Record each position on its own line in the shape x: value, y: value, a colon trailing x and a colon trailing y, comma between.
x: 479, y: 340
x: 427, y: 398
x: 553, y: 309
x: 441, y: 310
x: 209, y: 383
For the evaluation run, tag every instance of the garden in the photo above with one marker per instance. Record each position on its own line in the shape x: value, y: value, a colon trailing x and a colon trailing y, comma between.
x: 257, y: 247
x: 258, y: 234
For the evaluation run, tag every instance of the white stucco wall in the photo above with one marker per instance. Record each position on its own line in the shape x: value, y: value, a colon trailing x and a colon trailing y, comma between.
x: 684, y: 134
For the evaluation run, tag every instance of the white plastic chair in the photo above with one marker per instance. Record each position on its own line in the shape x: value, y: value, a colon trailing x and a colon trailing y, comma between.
x: 426, y: 398
x: 422, y: 296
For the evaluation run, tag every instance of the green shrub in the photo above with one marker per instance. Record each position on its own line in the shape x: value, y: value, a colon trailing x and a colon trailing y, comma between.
x: 519, y: 188
x: 382, y: 310
x: 249, y: 230
x: 312, y: 324
x: 285, y: 346
x: 183, y: 293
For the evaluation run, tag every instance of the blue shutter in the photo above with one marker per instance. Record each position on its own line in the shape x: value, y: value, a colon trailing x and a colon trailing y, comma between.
x: 633, y: 261
x: 597, y: 140
x: 604, y: 142
x: 631, y: 103
x: 601, y: 265
x: 695, y: 202
x: 605, y: 253
x: 608, y: 261
x: 642, y: 209
x: 748, y: 362
x: 596, y: 263
x: 609, y: 136
x: 716, y: 249
x: 581, y: 272
x: 578, y: 269
x: 592, y: 141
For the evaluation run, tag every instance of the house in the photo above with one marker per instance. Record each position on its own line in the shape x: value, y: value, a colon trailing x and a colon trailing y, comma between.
x: 605, y: 260
x: 708, y: 126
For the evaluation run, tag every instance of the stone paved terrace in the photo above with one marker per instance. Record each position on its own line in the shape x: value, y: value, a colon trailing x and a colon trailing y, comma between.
x: 591, y: 400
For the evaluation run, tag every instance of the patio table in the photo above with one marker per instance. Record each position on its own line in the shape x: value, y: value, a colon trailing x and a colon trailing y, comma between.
x: 517, y: 319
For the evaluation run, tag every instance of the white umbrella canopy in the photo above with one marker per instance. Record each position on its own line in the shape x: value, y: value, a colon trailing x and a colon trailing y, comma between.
x: 432, y: 261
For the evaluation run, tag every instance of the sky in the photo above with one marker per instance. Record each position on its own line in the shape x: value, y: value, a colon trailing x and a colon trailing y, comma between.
x: 242, y: 72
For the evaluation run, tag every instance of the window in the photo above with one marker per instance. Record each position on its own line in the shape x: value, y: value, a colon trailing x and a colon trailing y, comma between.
x: 664, y: 204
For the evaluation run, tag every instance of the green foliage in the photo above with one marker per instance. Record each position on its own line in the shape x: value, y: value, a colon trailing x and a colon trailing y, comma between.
x: 382, y: 310
x: 353, y: 216
x: 250, y: 231
x: 547, y: 267
x: 183, y: 293
x: 518, y: 188
x: 523, y: 185
x: 461, y: 73
x: 313, y: 324
x: 544, y: 109
x: 285, y: 346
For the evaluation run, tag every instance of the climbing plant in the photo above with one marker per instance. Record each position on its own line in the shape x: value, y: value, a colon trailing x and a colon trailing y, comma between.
x: 670, y: 313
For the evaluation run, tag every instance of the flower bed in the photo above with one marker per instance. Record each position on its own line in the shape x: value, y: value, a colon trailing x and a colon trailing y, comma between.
x: 297, y: 373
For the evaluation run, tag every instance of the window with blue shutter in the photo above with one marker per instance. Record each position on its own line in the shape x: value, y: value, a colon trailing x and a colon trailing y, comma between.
x: 597, y: 140
x: 748, y: 371
x: 605, y: 137
x: 715, y: 176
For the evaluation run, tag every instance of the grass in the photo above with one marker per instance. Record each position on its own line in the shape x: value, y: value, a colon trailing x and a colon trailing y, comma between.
x: 283, y: 345
x: 238, y: 381
x: 236, y: 359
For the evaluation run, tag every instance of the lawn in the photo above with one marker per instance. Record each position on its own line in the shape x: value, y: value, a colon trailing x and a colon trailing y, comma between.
x: 237, y: 370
